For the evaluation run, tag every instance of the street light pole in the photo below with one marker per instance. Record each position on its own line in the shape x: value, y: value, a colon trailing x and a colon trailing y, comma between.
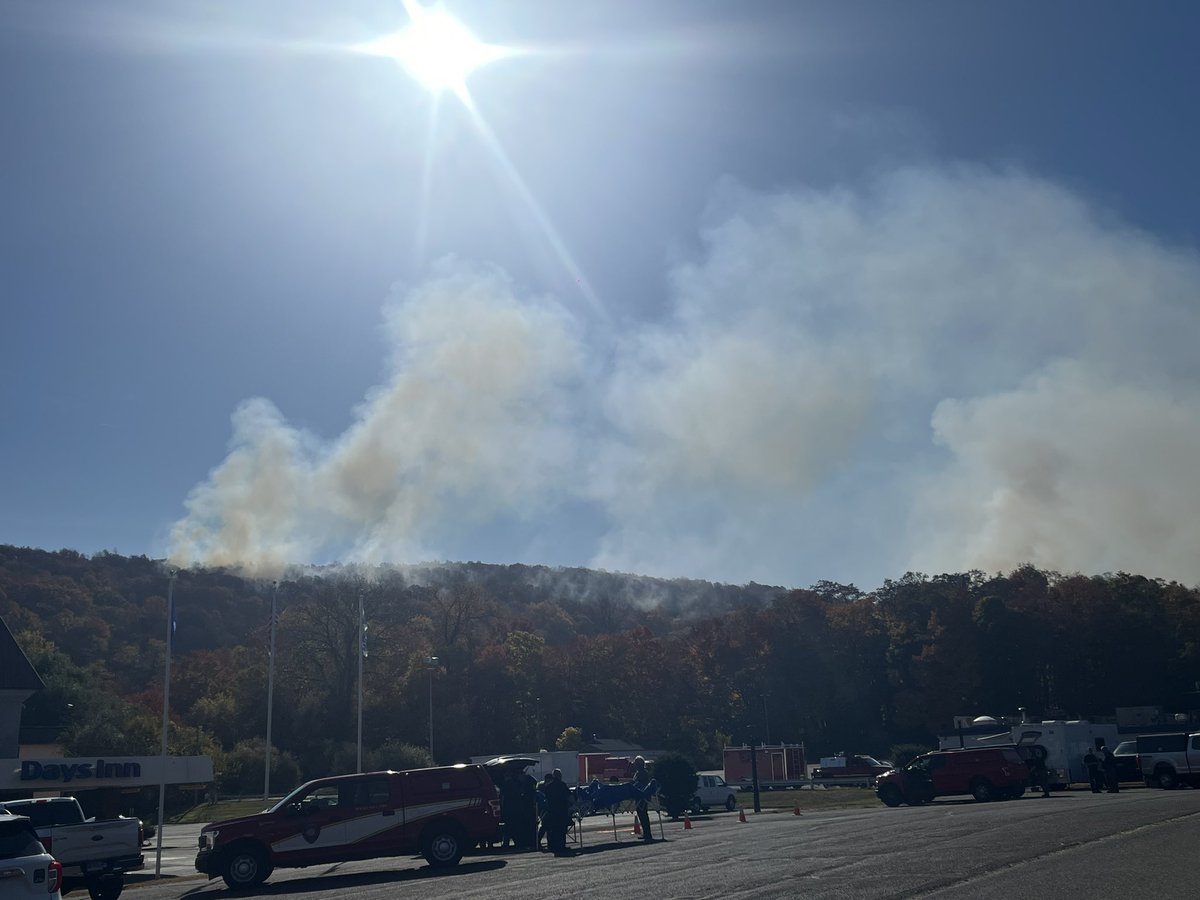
x: 166, y: 722
x: 271, y: 686
x: 362, y: 651
x: 431, y: 663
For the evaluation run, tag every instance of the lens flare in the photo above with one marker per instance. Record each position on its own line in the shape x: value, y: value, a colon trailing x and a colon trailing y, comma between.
x: 436, y: 49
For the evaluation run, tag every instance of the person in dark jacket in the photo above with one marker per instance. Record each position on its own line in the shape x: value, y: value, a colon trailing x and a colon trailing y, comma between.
x: 1091, y: 762
x: 511, y: 809
x: 527, y: 823
x: 642, y: 778
x: 543, y: 811
x: 1108, y: 763
x: 558, y: 814
x: 1039, y: 775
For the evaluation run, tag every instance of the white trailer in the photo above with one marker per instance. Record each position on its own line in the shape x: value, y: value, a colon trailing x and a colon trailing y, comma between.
x: 544, y: 761
x: 1066, y: 742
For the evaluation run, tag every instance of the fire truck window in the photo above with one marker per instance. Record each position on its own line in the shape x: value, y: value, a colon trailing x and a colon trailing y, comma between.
x: 323, y: 797
x: 366, y: 793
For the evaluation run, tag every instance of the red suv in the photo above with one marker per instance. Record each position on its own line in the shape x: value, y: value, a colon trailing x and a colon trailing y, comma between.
x: 439, y: 812
x: 989, y: 773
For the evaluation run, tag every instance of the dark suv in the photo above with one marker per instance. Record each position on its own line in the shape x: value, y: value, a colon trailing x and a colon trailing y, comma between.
x: 986, y: 773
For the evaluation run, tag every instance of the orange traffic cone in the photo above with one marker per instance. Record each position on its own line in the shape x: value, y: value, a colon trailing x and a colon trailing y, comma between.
x: 741, y: 815
x: 637, y: 826
x: 687, y: 822
x: 796, y: 811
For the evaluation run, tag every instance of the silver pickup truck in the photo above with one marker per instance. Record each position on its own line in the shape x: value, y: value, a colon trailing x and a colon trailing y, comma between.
x: 1169, y: 760
x: 95, y: 855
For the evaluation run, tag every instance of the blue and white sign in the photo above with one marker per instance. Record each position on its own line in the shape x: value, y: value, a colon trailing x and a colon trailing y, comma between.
x: 44, y: 774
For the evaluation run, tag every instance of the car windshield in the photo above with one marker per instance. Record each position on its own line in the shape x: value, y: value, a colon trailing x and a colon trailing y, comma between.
x: 1126, y: 748
x: 870, y: 761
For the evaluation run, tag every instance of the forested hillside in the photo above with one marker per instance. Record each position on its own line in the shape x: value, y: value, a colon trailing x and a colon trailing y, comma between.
x: 526, y: 651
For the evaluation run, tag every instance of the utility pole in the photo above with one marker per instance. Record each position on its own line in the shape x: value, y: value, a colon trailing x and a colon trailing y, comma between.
x: 271, y: 686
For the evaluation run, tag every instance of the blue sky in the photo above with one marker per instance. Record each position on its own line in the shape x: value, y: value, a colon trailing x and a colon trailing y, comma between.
x: 772, y: 291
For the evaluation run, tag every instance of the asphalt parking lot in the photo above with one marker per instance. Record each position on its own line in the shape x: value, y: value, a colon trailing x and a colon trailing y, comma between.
x: 1136, y: 843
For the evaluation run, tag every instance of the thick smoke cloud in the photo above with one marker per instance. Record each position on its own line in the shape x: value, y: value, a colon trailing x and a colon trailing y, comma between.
x: 941, y: 369
x: 473, y: 423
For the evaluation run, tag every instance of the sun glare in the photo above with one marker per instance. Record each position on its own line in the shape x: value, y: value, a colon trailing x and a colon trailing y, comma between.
x: 436, y: 49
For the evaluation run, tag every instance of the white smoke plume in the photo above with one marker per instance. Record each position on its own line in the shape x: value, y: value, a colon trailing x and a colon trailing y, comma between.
x: 942, y: 369
x: 473, y: 422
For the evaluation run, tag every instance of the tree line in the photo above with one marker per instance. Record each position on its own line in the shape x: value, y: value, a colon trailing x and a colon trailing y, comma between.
x: 526, y: 652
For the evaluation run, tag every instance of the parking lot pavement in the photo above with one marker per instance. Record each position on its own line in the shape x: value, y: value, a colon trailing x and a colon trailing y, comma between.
x: 179, y: 843
x: 178, y: 858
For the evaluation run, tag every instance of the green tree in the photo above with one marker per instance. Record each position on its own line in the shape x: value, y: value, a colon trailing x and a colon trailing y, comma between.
x: 397, y: 756
x: 570, y: 739
x: 240, y: 771
x: 677, y: 780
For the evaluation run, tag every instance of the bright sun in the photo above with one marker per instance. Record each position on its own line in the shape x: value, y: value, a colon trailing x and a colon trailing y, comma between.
x: 435, y: 48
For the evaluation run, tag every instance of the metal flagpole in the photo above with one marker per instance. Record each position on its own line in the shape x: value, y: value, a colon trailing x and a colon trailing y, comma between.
x: 162, y: 763
x: 362, y: 648
x: 271, y: 686
x: 431, y: 663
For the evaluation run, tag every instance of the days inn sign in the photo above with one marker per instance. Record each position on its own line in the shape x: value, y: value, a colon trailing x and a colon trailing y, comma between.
x: 52, y: 773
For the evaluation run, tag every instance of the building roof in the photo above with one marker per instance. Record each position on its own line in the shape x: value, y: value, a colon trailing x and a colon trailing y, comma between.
x: 16, y: 671
x: 608, y: 745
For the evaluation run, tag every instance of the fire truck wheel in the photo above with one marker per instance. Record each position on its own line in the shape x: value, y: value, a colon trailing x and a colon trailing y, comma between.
x: 983, y: 791
x: 246, y: 867
x: 890, y: 795
x: 442, y: 846
x: 730, y: 803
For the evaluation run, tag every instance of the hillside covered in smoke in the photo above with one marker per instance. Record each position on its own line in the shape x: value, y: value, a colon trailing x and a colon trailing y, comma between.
x: 525, y: 652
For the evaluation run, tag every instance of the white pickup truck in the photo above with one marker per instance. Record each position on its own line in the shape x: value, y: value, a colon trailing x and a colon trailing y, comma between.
x: 95, y: 855
x: 1169, y: 760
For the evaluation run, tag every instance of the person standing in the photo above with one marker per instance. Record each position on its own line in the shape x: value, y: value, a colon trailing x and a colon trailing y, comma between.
x: 1109, y: 764
x: 544, y: 812
x: 527, y: 826
x: 510, y: 802
x: 1091, y: 762
x: 641, y: 778
x: 558, y: 814
x: 1039, y: 775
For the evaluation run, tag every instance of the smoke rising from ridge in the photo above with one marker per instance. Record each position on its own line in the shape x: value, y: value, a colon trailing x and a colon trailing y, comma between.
x: 941, y: 369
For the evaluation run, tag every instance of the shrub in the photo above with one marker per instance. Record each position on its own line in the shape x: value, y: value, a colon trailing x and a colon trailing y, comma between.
x: 677, y: 782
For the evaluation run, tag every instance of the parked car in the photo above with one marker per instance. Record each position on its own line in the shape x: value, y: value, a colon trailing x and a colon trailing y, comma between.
x: 711, y: 790
x: 986, y: 773
x: 26, y: 869
x: 855, y: 768
x: 437, y: 812
x: 1126, y: 755
x: 1169, y: 760
x: 94, y: 854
